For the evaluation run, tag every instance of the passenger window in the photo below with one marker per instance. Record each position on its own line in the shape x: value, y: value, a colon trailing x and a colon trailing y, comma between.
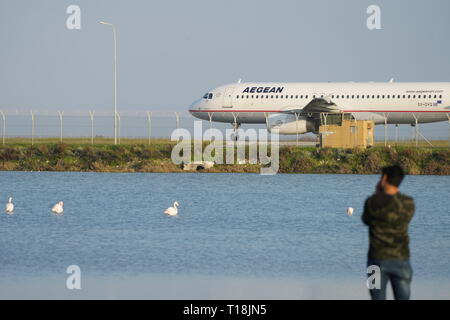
x: 237, y: 97
x: 440, y: 96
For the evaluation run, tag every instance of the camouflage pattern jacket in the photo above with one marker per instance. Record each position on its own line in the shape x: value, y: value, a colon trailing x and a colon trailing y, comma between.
x: 388, y: 217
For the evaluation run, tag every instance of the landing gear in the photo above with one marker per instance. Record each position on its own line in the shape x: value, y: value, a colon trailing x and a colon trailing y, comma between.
x: 235, y: 135
x: 236, y: 126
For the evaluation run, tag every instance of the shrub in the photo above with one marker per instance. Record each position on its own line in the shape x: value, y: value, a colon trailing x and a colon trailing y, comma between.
x: 373, y: 163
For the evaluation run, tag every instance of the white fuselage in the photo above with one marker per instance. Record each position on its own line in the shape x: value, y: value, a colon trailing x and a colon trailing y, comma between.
x: 394, y: 103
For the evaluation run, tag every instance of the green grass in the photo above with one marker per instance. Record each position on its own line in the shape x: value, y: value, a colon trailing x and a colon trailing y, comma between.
x: 136, y: 155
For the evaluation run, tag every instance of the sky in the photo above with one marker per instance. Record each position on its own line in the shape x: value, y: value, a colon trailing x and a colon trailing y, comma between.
x: 171, y: 52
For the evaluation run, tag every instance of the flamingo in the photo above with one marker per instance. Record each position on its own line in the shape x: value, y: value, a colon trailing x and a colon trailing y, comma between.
x: 9, y: 206
x: 350, y: 211
x: 58, y: 208
x: 172, y: 211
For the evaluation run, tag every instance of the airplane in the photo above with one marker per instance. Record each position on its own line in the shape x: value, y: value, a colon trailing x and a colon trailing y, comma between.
x: 297, y: 108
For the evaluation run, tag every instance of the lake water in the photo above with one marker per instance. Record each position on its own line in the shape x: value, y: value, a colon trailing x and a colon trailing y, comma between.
x: 237, y: 236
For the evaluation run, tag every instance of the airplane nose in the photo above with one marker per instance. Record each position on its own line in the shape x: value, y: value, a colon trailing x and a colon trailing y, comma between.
x: 195, y: 110
x: 195, y: 106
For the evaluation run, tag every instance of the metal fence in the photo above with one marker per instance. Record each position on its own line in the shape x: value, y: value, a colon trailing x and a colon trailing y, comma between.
x: 152, y: 125
x: 94, y: 125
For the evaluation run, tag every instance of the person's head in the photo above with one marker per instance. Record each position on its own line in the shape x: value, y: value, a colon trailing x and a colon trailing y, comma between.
x: 392, y: 176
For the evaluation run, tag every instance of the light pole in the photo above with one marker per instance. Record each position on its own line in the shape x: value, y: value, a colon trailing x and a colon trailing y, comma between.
x: 115, y: 78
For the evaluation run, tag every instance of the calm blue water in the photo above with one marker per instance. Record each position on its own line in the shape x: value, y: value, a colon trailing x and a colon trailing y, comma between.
x: 231, y: 226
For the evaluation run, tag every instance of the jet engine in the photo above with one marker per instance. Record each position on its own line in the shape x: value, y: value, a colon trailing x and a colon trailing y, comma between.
x: 287, y: 124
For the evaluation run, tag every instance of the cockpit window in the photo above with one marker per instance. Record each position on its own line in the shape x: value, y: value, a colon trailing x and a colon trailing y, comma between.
x: 210, y: 96
x: 205, y: 96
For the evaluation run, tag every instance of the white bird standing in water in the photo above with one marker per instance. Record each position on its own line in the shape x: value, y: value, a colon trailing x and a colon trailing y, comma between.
x: 9, y: 206
x: 172, y: 211
x: 58, y: 208
x: 350, y: 211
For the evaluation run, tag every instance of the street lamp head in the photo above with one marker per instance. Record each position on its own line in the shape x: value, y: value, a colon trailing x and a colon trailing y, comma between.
x: 107, y: 23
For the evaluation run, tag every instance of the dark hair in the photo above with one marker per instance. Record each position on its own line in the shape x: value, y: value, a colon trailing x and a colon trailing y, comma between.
x: 394, y: 174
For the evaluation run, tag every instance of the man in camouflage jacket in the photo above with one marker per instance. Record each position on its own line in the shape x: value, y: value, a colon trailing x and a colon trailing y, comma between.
x: 387, y: 213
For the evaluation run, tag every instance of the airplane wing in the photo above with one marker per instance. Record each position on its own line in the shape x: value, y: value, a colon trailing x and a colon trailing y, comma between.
x: 315, y: 106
